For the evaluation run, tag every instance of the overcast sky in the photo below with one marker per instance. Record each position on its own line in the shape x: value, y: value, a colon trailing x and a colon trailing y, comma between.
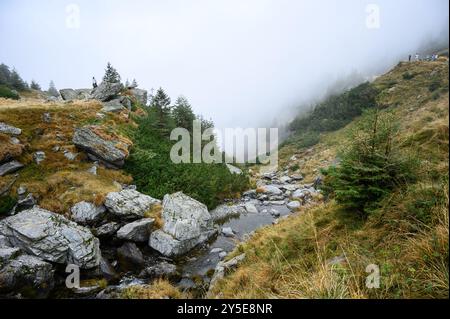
x: 239, y: 62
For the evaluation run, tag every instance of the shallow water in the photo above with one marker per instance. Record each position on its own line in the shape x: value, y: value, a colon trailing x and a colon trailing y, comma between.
x: 201, y: 261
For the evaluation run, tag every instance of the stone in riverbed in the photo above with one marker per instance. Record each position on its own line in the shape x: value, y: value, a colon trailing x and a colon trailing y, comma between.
x: 225, y: 211
x: 294, y: 205
x: 251, y: 208
x: 187, y: 223
x: 161, y: 270
x: 51, y: 237
x: 272, y: 190
x: 223, y: 267
x: 227, y: 232
x: 129, y: 204
x: 138, y: 231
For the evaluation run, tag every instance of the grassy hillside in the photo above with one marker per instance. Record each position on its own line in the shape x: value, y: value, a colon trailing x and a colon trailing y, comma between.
x: 58, y: 183
x: 323, y: 250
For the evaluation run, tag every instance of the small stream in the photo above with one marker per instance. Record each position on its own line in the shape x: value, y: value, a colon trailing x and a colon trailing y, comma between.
x: 200, y: 263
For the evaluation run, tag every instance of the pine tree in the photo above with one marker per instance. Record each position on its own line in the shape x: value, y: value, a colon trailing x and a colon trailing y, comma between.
x: 183, y: 114
x: 127, y: 84
x: 16, y: 82
x: 35, y: 86
x: 161, y: 111
x: 111, y: 74
x: 52, y: 90
x: 134, y: 84
x: 5, y: 75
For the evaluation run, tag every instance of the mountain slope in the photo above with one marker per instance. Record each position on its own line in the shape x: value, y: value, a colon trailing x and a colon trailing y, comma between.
x: 324, y: 250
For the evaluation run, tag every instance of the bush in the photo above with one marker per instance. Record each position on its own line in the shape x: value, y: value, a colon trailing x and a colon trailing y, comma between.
x: 408, y: 76
x: 7, y: 203
x: 7, y: 93
x: 371, y: 167
x: 436, y: 84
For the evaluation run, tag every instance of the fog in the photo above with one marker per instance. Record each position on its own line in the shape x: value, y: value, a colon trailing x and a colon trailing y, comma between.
x: 246, y: 63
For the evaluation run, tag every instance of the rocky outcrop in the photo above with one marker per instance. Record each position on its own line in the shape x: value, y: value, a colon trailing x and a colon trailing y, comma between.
x: 138, y: 231
x: 51, y: 237
x: 71, y: 94
x: 187, y: 223
x: 68, y: 94
x: 129, y: 204
x: 117, y: 105
x: 106, y: 91
x: 107, y: 151
x: 107, y: 230
x: 140, y: 95
x: 85, y: 213
x: 9, y: 129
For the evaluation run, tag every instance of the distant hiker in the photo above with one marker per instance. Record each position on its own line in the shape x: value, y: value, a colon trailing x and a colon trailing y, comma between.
x: 409, y: 58
x: 417, y: 57
x: 94, y: 83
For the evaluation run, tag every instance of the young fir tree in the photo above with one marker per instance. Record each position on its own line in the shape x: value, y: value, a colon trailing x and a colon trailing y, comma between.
x: 371, y: 167
x: 160, y: 111
x: 183, y: 114
x: 5, y: 75
x: 35, y: 86
x: 52, y: 91
x: 134, y: 84
x: 111, y: 74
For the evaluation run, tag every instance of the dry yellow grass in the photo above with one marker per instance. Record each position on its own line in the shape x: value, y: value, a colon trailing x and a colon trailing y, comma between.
x: 159, y: 289
x: 57, y: 182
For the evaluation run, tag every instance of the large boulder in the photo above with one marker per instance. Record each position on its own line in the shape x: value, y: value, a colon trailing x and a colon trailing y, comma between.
x: 129, y: 204
x: 109, y: 152
x: 27, y: 275
x: 184, y: 217
x: 51, y: 237
x: 68, y: 94
x: 86, y: 213
x: 140, y: 95
x: 71, y: 94
x: 83, y: 94
x: 117, y: 105
x: 187, y: 223
x: 138, y: 231
x: 10, y: 130
x: 106, y: 91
